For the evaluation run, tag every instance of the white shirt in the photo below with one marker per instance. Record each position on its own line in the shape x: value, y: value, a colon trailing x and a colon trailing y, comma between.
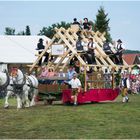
x: 127, y: 83
x: 75, y: 83
x: 119, y: 45
x: 92, y: 45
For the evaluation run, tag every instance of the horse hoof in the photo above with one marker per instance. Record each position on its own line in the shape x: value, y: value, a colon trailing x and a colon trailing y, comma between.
x: 6, y: 106
x: 32, y: 104
x: 19, y: 108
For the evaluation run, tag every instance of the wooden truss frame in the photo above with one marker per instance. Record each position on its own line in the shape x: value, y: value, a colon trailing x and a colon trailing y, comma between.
x: 68, y: 38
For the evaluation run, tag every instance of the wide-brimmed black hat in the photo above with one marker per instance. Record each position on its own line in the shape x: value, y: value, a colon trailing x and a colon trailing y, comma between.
x: 119, y: 41
x: 86, y: 18
x: 40, y: 40
x: 79, y: 38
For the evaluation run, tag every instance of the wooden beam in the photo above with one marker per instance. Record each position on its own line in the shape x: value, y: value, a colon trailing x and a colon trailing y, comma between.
x: 71, y: 48
x: 65, y: 64
x: 62, y: 58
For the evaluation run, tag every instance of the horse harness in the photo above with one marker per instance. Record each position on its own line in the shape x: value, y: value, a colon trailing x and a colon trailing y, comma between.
x: 31, y: 87
x: 17, y: 88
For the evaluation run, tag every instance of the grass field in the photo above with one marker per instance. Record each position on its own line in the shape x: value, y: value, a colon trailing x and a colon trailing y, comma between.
x: 108, y: 120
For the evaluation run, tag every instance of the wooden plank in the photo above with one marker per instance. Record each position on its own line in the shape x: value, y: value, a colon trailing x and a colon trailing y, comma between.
x: 97, y: 39
x: 70, y: 37
x: 75, y: 28
x: 62, y: 59
x: 103, y: 37
x: 104, y: 62
x: 64, y: 66
x: 98, y: 63
x: 51, y: 63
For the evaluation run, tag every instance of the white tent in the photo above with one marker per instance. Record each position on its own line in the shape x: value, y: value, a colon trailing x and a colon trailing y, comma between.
x: 19, y: 49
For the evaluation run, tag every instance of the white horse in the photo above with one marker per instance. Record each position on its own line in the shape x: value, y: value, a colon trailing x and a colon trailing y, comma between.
x: 23, y: 86
x: 4, y: 80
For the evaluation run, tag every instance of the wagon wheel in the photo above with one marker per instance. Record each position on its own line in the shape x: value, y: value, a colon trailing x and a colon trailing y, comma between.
x: 45, y: 102
x: 48, y: 102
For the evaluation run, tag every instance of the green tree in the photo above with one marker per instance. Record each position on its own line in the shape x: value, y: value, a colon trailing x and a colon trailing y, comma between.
x: 49, y: 31
x: 102, y: 23
x: 27, y: 32
x: 9, y: 31
x: 131, y: 51
x: 21, y: 33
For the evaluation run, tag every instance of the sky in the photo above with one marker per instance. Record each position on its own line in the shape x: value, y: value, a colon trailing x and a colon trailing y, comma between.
x: 124, y: 16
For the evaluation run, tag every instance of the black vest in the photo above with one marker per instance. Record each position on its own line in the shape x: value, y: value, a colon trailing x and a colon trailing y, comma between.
x: 119, y: 47
x: 90, y: 50
x: 124, y: 82
x: 40, y: 46
x: 79, y: 45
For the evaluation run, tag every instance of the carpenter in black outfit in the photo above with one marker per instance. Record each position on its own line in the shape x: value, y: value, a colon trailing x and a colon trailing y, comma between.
x: 120, y: 49
x: 86, y: 24
x: 75, y: 22
x: 40, y: 48
x: 90, y: 55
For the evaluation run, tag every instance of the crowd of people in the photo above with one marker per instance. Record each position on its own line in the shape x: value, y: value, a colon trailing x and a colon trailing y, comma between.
x: 49, y: 72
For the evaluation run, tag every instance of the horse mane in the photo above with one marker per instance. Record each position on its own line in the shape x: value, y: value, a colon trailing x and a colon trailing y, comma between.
x: 21, y: 79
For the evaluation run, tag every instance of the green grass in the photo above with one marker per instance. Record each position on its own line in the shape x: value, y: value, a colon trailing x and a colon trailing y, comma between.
x: 108, y: 120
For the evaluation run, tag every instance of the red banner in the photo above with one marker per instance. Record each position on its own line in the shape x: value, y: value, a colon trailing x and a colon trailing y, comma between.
x: 93, y: 95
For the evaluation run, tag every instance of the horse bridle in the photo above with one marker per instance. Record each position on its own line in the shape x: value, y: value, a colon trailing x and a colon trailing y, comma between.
x: 18, y: 88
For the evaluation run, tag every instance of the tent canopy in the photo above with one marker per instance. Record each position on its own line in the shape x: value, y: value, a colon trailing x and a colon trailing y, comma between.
x: 19, y: 49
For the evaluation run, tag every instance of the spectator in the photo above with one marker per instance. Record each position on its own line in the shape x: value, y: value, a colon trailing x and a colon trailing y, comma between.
x: 70, y: 72
x: 137, y: 84
x: 76, y: 86
x: 40, y: 48
x: 44, y: 72
x: 51, y: 73
x: 43, y: 75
